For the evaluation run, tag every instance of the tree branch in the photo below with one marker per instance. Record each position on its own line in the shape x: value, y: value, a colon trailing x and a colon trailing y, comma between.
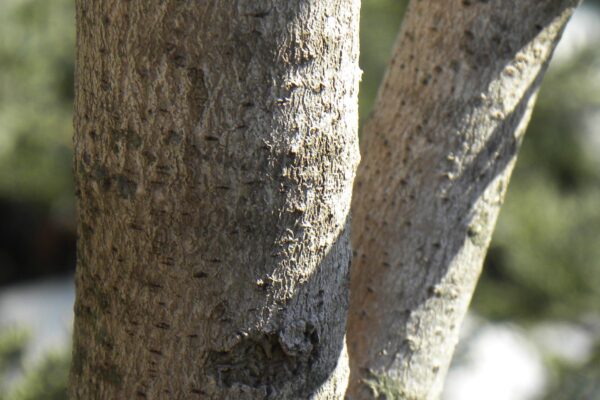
x: 437, y: 156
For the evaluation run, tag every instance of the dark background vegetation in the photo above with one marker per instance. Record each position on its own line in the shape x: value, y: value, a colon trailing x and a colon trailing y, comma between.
x: 544, y: 262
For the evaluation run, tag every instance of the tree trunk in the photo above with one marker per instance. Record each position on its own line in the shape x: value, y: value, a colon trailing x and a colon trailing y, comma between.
x: 438, y: 152
x: 215, y: 149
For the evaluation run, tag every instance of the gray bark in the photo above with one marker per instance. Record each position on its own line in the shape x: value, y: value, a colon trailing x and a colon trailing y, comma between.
x: 437, y: 155
x: 215, y: 150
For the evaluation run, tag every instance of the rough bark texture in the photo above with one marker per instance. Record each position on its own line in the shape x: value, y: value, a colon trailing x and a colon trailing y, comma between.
x: 215, y: 151
x: 437, y: 155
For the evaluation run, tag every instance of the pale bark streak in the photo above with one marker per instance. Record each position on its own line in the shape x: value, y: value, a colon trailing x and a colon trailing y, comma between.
x: 437, y: 155
x: 215, y: 149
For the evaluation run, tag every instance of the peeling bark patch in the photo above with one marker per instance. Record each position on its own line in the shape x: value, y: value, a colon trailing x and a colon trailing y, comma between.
x: 260, y: 362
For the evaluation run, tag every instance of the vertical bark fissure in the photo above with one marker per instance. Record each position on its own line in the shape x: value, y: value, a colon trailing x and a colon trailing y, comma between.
x: 437, y: 155
x: 215, y: 150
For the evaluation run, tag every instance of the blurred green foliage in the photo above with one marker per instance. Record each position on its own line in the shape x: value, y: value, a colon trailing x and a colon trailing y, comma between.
x: 45, y: 380
x: 576, y: 382
x: 36, y: 97
x: 379, y: 23
x: 12, y: 343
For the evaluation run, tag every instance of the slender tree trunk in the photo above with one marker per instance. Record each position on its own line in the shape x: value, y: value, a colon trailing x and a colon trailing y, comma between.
x: 215, y: 151
x: 438, y: 152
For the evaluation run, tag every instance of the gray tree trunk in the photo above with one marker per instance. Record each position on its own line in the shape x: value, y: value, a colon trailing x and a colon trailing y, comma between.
x: 437, y: 155
x: 215, y: 149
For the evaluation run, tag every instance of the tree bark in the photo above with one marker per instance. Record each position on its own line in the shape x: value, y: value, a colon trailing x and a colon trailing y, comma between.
x: 215, y: 150
x: 437, y: 155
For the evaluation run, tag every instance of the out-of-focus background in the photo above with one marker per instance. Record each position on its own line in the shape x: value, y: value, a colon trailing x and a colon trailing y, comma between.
x: 534, y: 328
